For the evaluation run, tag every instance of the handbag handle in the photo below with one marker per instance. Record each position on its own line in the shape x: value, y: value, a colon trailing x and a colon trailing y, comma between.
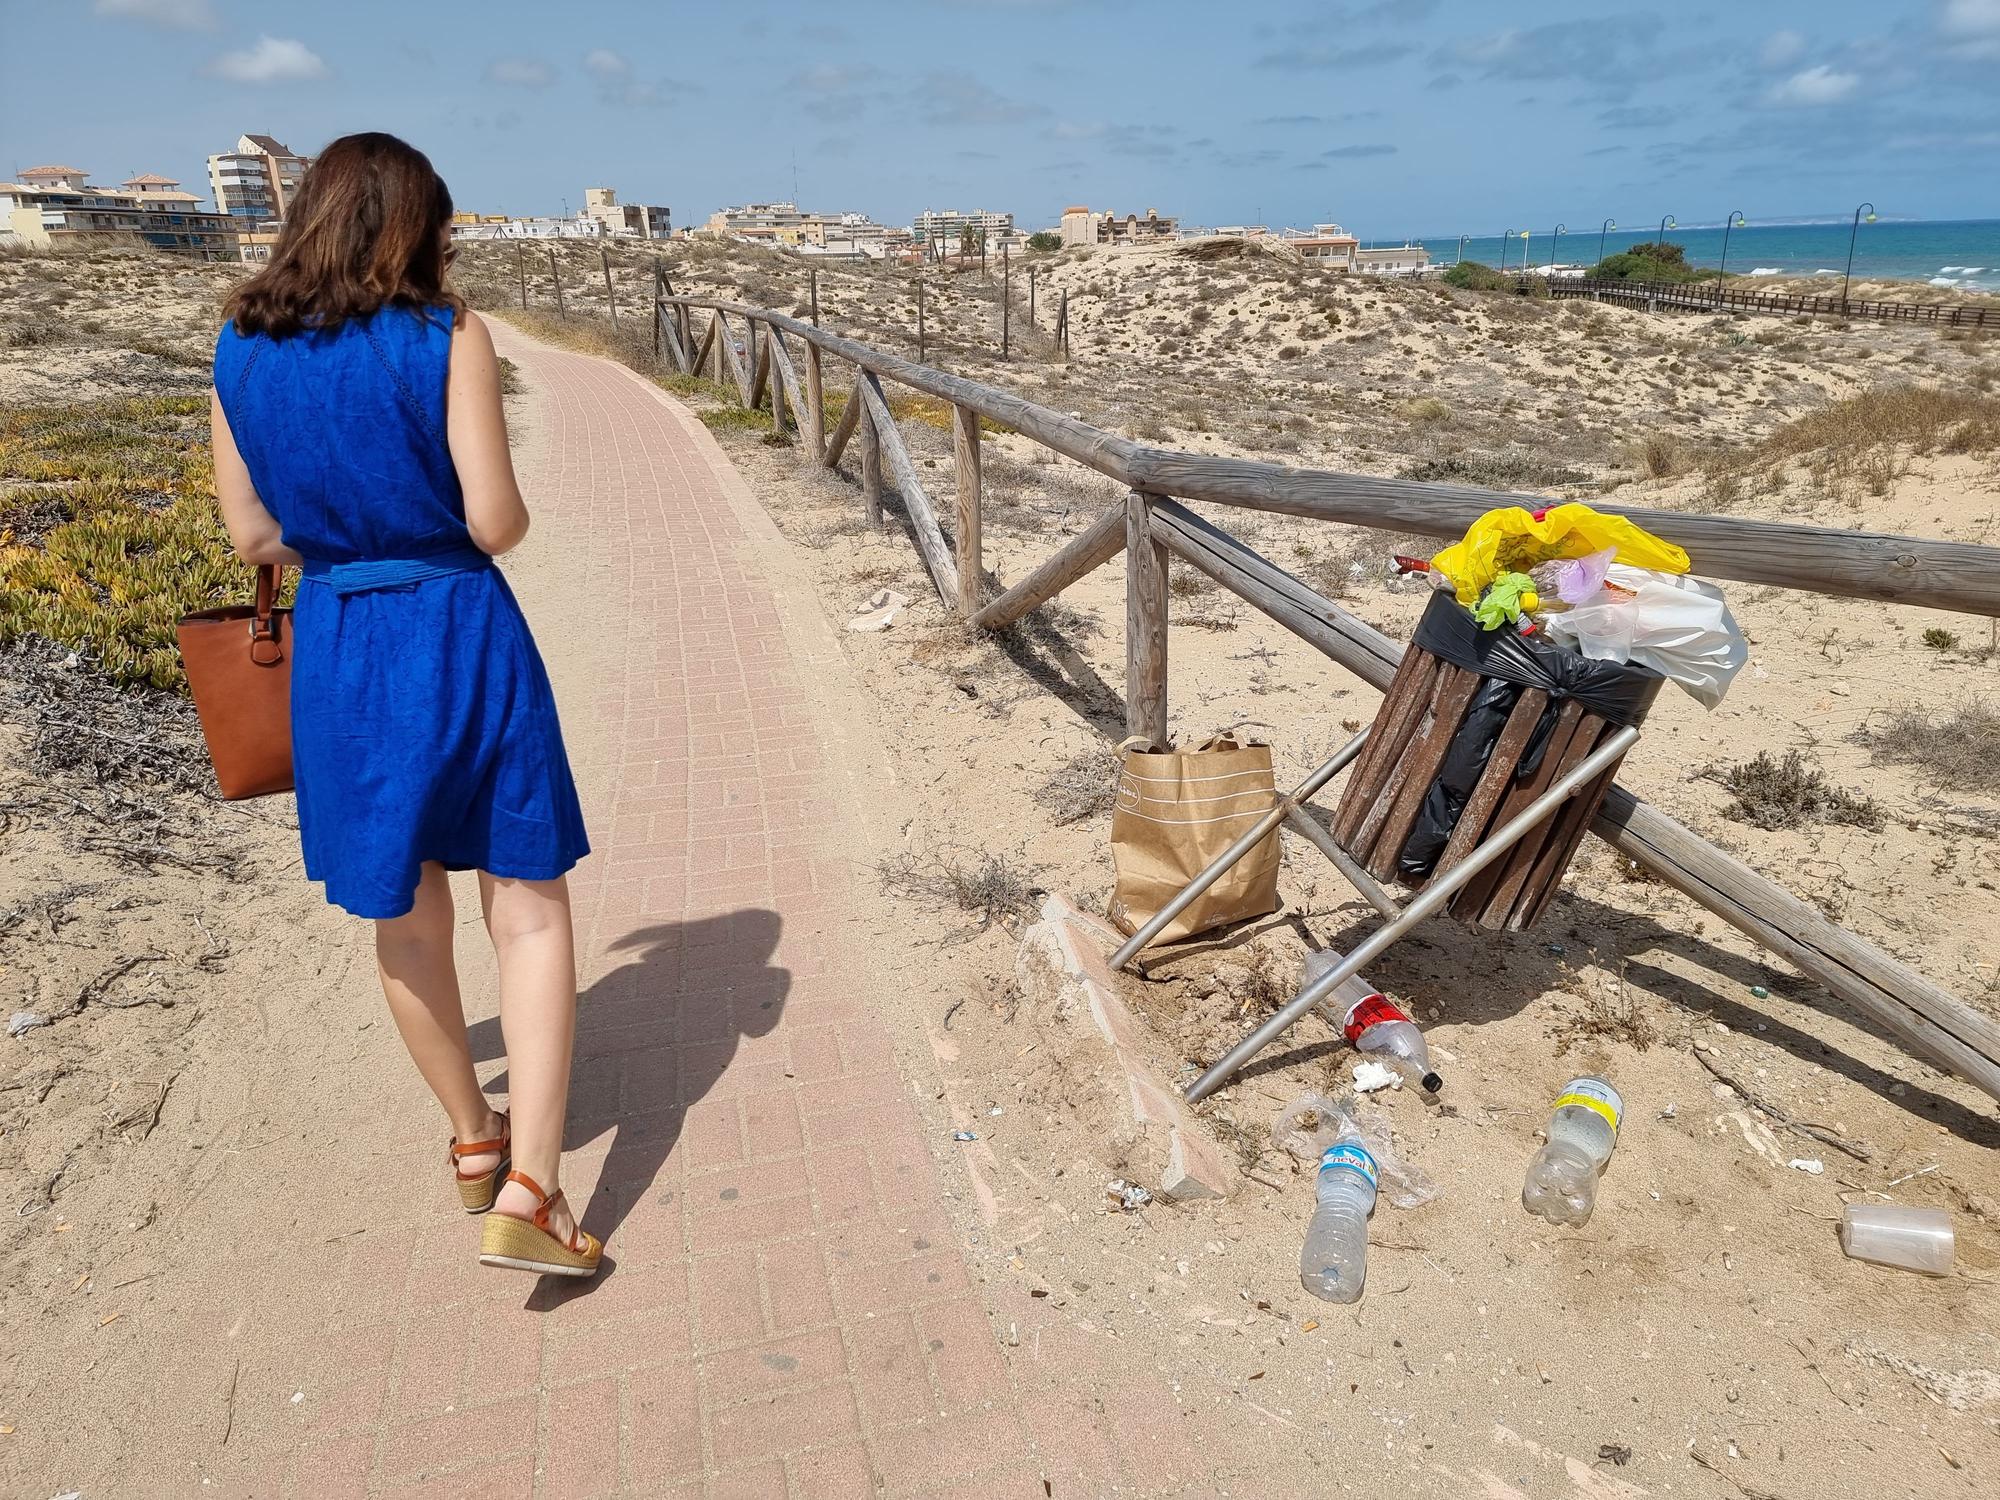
x: 265, y: 649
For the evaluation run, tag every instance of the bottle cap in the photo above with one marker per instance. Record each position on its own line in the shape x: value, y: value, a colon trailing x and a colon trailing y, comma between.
x: 1431, y: 1083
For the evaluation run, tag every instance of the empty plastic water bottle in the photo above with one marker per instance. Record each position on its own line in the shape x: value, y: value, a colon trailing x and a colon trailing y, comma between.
x: 1562, y: 1179
x: 1375, y: 1024
x: 1334, y: 1263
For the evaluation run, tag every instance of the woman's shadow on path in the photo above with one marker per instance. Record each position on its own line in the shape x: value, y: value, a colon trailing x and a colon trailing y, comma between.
x: 653, y: 1037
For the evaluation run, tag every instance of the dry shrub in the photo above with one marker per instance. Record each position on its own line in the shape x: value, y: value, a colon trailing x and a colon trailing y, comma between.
x: 1657, y: 455
x: 1957, y: 752
x: 1084, y: 786
x: 982, y: 884
x: 1922, y: 418
x: 1792, y: 792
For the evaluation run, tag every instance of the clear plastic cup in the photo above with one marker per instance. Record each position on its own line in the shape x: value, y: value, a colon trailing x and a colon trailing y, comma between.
x: 1911, y: 1239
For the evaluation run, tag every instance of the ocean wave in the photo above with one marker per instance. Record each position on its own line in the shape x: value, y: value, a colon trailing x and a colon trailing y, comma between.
x: 1768, y: 271
x: 1944, y: 281
x: 1825, y: 271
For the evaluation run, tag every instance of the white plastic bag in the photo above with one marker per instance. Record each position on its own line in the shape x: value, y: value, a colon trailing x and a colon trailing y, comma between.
x: 1677, y: 625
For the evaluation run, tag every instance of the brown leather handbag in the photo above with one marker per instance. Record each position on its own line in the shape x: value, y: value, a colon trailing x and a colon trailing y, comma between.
x: 239, y: 666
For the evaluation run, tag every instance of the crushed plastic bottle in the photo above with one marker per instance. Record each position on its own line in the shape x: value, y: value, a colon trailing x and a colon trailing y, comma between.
x: 1333, y: 1265
x: 1357, y: 1160
x: 1561, y: 1185
x: 1375, y: 1024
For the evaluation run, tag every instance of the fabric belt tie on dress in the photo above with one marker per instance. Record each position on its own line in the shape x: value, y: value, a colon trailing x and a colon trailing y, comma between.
x: 372, y: 573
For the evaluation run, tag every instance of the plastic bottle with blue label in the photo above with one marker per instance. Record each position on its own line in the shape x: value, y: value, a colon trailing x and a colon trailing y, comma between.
x: 1562, y: 1179
x: 1334, y: 1263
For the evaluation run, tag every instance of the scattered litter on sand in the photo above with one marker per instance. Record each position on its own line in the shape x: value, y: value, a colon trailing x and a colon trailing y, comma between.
x: 880, y: 611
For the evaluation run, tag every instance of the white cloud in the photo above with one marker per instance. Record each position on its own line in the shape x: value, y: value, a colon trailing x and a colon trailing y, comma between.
x: 1782, y: 48
x: 1971, y: 29
x: 273, y: 59
x: 179, y: 15
x: 520, y: 72
x: 1814, y: 87
x: 605, y: 63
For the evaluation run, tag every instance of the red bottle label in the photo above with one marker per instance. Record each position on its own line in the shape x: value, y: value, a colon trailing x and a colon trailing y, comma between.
x: 1372, y: 1012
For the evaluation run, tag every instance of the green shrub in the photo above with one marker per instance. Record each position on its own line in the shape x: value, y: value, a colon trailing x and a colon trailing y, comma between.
x: 1045, y: 239
x: 1645, y: 262
x: 1476, y: 276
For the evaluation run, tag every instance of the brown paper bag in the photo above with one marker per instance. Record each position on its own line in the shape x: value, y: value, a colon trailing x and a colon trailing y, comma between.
x: 1176, y: 811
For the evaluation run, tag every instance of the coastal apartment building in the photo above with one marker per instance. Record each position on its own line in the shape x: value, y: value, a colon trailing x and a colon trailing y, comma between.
x: 947, y: 227
x: 52, y: 206
x: 1392, y: 260
x: 831, y: 236
x: 645, y: 221
x: 1328, y: 246
x: 765, y: 223
x: 602, y: 217
x: 1081, y: 227
x: 258, y: 180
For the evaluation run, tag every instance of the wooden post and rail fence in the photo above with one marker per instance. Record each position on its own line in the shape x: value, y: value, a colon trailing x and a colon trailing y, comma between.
x: 1152, y: 522
x: 1714, y: 296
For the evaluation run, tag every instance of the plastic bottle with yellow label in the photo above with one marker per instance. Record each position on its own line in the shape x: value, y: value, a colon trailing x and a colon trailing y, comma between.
x: 1562, y: 1179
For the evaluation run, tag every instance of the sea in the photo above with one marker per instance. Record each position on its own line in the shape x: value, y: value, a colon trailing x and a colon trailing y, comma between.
x: 1961, y: 254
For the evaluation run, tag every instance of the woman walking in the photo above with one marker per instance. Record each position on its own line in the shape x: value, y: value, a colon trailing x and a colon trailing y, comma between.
x: 359, y: 436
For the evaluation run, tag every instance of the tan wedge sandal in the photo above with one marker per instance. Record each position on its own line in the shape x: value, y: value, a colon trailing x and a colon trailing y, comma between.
x: 478, y: 1190
x: 530, y: 1245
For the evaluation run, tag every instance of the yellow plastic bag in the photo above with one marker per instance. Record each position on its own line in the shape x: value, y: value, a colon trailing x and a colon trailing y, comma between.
x: 1511, y: 539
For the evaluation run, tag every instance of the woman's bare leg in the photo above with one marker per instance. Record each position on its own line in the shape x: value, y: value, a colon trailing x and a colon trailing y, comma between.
x: 529, y: 922
x: 413, y: 953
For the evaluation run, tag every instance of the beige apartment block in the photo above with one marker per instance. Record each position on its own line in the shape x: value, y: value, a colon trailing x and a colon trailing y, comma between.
x: 1081, y: 227
x: 52, y: 206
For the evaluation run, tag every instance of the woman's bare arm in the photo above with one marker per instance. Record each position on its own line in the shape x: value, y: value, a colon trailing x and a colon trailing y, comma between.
x: 476, y: 431
x: 253, y: 529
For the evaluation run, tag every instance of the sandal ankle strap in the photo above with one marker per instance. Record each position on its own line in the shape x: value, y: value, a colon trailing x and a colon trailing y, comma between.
x: 457, y: 1149
x: 545, y: 1204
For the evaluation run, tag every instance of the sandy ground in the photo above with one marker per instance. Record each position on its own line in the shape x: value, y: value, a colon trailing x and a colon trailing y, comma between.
x: 1705, y: 1315
x: 1702, y: 1335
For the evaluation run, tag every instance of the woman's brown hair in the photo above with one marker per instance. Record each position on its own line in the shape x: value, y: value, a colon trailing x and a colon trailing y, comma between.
x: 368, y: 227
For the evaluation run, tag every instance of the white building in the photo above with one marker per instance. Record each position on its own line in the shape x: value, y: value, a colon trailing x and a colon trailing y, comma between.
x: 258, y: 180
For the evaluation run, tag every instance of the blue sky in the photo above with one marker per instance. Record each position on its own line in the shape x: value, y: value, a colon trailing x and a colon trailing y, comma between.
x: 1393, y: 116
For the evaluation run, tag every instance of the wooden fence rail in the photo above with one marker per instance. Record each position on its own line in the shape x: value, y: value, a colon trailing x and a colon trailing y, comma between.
x: 1152, y: 523
x: 1702, y: 295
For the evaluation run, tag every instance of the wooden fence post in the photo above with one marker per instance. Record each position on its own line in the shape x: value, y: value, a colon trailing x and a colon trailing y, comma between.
x: 611, y: 296
x: 920, y: 319
x: 971, y: 556
x: 1006, y: 298
x: 871, y: 459
x: 815, y: 423
x: 556, y: 271
x: 813, y: 273
x: 1031, y: 295
x: 521, y: 270
x: 1145, y: 624
x: 659, y: 287
x: 1062, y: 325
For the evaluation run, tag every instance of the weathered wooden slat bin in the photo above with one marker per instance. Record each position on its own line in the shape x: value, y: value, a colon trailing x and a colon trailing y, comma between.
x: 1474, y: 727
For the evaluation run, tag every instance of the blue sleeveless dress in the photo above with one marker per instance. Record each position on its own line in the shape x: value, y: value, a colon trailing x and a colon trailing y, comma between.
x: 423, y: 727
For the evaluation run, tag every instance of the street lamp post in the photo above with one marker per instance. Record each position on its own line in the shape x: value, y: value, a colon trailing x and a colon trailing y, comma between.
x: 1666, y: 223
x: 1561, y: 230
x: 1603, y: 229
x: 1506, y: 241
x: 1461, y: 247
x: 1852, y: 235
x: 1734, y: 221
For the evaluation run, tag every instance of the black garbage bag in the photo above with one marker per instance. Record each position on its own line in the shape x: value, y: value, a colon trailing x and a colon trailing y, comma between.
x: 1620, y: 692
x: 1464, y: 763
